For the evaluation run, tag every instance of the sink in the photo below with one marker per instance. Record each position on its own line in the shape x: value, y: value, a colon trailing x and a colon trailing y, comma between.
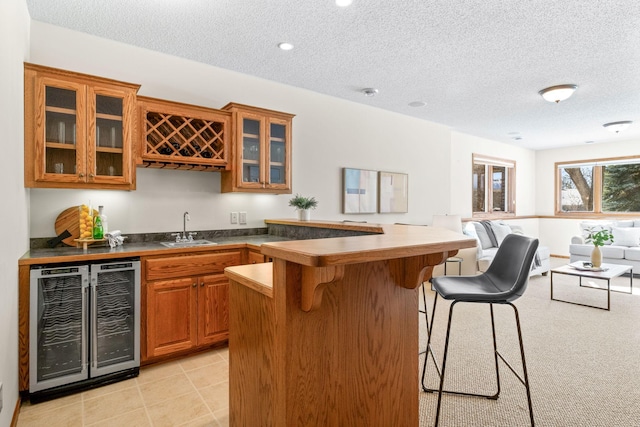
x: 175, y: 244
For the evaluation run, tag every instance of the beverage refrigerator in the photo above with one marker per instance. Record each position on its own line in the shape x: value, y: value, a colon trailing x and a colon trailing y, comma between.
x: 84, y: 326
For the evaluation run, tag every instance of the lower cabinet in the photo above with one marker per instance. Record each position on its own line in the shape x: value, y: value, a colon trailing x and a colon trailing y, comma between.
x: 187, y: 304
x: 254, y: 257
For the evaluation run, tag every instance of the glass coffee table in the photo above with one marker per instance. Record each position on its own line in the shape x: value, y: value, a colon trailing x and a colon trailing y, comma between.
x: 605, y: 272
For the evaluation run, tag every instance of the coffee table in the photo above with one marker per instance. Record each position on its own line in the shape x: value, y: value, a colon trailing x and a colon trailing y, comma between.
x: 609, y: 271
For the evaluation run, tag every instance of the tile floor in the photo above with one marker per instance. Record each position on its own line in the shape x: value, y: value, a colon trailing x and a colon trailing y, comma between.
x: 192, y: 392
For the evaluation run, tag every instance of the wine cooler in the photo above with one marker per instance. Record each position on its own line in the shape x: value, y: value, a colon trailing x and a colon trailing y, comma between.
x: 84, y: 326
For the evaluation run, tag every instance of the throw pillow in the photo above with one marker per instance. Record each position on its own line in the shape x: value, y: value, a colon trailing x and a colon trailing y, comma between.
x: 485, y: 241
x: 587, y: 227
x: 501, y: 231
x: 626, y: 236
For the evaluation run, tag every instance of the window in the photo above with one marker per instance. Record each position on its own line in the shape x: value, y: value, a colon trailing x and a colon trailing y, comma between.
x: 598, y: 186
x: 493, y: 186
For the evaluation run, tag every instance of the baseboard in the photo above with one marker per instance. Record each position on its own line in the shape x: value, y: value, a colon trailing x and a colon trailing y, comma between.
x: 559, y: 256
x: 16, y: 412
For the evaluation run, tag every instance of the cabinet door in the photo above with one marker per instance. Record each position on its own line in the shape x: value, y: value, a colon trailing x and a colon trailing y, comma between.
x: 278, y: 154
x: 251, y: 151
x: 60, y: 114
x: 110, y: 130
x: 171, y: 316
x: 213, y: 309
x: 255, y: 257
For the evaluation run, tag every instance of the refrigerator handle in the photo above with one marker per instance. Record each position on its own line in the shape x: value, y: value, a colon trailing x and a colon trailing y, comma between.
x: 85, y: 318
x: 94, y: 322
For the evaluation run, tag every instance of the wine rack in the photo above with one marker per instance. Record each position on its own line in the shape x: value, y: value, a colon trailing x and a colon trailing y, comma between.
x: 181, y: 136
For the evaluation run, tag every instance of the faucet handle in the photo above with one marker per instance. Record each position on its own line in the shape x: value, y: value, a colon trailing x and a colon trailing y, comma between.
x: 177, y: 235
x: 191, y: 234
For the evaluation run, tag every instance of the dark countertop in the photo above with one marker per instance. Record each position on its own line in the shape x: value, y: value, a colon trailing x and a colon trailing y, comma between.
x: 99, y: 252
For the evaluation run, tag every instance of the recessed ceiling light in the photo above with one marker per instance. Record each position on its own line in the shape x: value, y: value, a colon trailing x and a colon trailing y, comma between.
x: 343, y: 3
x: 589, y: 142
x: 370, y: 91
x: 516, y: 138
x: 417, y: 104
x: 558, y: 93
x: 617, y: 127
x: 285, y: 46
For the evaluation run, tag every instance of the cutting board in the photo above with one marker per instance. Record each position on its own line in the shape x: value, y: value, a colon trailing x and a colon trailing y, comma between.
x: 69, y: 219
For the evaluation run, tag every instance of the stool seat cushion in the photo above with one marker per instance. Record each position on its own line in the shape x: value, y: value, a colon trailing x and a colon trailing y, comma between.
x: 470, y: 289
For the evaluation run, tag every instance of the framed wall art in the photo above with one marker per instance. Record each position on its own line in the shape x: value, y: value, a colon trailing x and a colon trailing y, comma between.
x: 360, y: 191
x: 394, y: 192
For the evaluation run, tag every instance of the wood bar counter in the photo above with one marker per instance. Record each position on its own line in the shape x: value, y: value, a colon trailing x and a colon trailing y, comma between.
x: 327, y: 334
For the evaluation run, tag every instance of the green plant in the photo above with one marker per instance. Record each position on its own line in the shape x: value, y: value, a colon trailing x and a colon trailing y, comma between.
x: 599, y: 237
x: 301, y: 202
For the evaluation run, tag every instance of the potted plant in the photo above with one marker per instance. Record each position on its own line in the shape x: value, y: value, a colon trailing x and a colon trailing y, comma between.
x: 598, y: 238
x: 303, y: 205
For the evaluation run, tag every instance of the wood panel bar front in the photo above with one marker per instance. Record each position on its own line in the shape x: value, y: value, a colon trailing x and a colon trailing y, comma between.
x: 351, y: 359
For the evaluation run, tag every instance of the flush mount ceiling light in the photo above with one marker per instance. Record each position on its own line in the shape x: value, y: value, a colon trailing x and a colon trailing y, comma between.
x: 285, y: 46
x: 617, y: 127
x: 370, y: 91
x: 417, y: 104
x: 558, y: 93
x: 343, y: 3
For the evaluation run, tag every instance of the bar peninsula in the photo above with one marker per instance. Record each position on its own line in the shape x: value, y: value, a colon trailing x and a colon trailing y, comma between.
x: 327, y: 334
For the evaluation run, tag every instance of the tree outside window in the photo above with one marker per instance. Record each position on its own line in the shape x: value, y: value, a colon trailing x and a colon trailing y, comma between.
x: 602, y: 186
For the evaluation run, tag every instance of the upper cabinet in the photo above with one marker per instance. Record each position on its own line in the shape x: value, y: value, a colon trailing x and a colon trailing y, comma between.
x: 78, y: 130
x: 182, y: 136
x: 261, y: 153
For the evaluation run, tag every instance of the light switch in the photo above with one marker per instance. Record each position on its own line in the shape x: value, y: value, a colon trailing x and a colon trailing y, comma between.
x: 243, y: 217
x: 234, y: 217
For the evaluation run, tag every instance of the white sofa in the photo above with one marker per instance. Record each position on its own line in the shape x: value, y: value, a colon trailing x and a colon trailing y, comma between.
x: 487, y: 248
x: 625, y: 248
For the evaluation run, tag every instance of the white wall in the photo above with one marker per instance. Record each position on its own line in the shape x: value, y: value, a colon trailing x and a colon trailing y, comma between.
x: 557, y: 232
x: 14, y: 42
x: 328, y: 134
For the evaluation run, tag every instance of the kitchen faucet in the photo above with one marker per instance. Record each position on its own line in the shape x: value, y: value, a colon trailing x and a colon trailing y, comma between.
x: 184, y: 237
x: 185, y: 218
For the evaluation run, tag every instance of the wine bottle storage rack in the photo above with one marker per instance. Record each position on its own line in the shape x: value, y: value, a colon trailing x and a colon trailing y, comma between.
x: 179, y: 141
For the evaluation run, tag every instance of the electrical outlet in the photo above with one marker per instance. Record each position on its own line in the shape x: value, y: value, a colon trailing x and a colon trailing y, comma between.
x: 243, y: 217
x: 234, y: 217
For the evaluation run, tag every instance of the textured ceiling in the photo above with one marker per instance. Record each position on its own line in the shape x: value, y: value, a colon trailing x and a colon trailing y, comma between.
x: 478, y: 64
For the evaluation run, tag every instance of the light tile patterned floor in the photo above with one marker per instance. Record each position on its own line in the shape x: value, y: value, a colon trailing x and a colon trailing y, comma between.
x: 193, y: 391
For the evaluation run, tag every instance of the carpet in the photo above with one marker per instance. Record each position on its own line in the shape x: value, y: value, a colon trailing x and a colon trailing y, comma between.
x: 583, y: 363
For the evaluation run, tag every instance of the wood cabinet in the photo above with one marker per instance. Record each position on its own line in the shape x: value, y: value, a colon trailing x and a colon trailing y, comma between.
x: 181, y: 136
x: 255, y: 257
x: 78, y: 130
x: 186, y: 302
x: 261, y: 153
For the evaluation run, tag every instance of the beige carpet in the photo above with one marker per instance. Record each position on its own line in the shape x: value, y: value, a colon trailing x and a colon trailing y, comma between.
x: 584, y: 363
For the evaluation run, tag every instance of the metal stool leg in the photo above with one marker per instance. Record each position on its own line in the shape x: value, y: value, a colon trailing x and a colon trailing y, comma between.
x: 525, y: 380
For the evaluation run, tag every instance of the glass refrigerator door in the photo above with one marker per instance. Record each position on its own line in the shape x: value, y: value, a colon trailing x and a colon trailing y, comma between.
x: 57, y: 335
x: 115, y: 342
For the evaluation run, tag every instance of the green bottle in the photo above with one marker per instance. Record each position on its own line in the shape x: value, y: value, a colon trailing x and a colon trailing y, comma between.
x: 98, y: 231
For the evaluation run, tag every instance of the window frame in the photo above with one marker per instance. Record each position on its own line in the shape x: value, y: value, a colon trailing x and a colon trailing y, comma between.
x: 510, y: 192
x: 598, y: 181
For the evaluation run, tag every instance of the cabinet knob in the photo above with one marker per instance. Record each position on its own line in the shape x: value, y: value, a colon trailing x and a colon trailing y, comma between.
x: 194, y: 284
x: 202, y: 284
x: 91, y: 175
x: 81, y: 175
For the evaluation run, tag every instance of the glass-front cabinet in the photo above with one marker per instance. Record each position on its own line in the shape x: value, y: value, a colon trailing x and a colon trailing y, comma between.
x: 262, y: 151
x: 78, y: 130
